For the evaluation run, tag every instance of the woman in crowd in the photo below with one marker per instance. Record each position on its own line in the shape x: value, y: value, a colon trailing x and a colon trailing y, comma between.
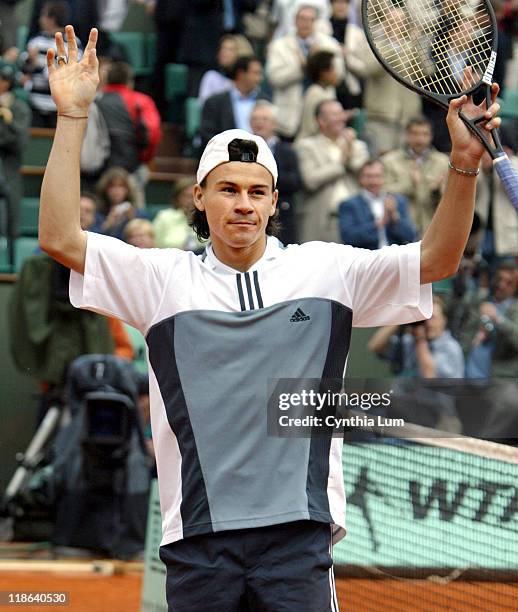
x: 231, y: 46
x: 172, y: 229
x: 321, y: 71
x: 118, y: 197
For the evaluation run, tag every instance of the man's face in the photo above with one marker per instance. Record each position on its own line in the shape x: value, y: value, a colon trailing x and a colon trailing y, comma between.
x: 332, y: 119
x: 419, y: 137
x: 87, y: 212
x: 238, y: 199
x: 251, y: 79
x: 262, y: 122
x: 305, y: 22
x: 340, y: 9
x: 372, y: 178
x: 504, y: 285
x: 436, y: 325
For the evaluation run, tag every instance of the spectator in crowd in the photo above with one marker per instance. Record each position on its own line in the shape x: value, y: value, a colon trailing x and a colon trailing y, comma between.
x: 349, y: 91
x: 204, y: 23
x: 328, y: 165
x: 231, y: 47
x: 388, y: 106
x: 116, y: 189
x: 264, y: 123
x: 8, y: 24
x: 168, y: 16
x: 417, y: 171
x: 283, y: 15
x: 47, y: 332
x: 90, y: 211
x: 423, y: 350
x: 339, y: 19
x: 231, y: 109
x: 375, y: 218
x: 82, y: 13
x: 53, y: 18
x: 490, y: 332
x: 15, y: 118
x: 172, y: 229
x: 139, y: 233
x: 321, y: 71
x: 133, y: 123
x: 286, y: 65
x: 498, y: 216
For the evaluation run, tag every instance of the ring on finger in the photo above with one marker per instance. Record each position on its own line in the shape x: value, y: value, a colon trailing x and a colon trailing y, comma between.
x: 61, y: 59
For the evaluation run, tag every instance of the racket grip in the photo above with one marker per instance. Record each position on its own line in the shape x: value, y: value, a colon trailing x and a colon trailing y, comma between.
x: 509, y: 178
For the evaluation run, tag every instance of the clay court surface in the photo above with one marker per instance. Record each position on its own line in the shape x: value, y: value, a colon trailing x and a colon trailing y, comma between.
x: 121, y: 593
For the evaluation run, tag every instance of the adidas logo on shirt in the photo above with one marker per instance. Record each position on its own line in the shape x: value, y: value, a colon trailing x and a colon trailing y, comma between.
x: 298, y: 316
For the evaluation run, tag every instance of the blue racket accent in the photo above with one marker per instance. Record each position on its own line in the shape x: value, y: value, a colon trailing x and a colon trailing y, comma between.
x: 509, y: 178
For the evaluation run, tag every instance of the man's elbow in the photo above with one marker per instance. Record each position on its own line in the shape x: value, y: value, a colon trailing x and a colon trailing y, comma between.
x: 433, y: 273
x: 435, y: 268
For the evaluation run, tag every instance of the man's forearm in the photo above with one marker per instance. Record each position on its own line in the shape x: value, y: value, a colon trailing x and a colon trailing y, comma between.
x: 444, y: 241
x: 59, y: 222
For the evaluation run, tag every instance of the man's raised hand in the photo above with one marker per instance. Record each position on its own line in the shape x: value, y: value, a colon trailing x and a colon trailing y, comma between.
x: 73, y: 83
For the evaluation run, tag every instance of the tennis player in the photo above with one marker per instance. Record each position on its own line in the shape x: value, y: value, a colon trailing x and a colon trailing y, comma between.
x: 248, y: 519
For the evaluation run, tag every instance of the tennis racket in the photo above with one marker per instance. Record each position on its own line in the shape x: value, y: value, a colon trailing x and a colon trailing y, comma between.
x: 442, y: 49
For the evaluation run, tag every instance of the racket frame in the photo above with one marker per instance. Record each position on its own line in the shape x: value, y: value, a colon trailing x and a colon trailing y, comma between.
x: 443, y: 100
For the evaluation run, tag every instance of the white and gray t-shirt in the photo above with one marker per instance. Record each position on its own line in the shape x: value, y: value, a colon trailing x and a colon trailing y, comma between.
x: 215, y: 338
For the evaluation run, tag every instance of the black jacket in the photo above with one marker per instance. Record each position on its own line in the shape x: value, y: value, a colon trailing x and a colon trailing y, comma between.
x: 217, y: 115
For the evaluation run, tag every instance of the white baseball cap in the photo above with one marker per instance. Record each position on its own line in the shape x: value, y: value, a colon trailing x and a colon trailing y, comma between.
x: 216, y: 152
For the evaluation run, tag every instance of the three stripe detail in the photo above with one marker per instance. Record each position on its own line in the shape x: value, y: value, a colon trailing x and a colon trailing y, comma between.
x: 250, y: 285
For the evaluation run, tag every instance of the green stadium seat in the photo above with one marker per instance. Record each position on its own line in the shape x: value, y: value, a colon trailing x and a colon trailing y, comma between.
x: 509, y: 104
x: 175, y: 80
x: 152, y: 210
x: 358, y: 122
x: 134, y: 44
x: 151, y: 49
x: 37, y: 151
x: 4, y: 257
x: 23, y: 247
x: 22, y: 33
x: 29, y: 216
x: 192, y: 116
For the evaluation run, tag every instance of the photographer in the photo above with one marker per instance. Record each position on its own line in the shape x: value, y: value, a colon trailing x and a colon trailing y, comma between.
x: 15, y: 118
x: 493, y: 329
x: 424, y: 350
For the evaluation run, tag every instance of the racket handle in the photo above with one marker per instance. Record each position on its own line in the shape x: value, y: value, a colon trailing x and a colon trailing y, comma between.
x: 509, y: 178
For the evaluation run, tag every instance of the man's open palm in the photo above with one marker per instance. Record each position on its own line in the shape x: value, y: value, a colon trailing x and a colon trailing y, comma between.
x: 73, y: 84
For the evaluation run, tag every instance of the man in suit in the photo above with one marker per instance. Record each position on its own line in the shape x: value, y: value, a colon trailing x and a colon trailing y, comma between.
x: 286, y: 65
x: 328, y: 164
x: 418, y: 171
x: 373, y: 218
x: 263, y: 122
x: 231, y: 109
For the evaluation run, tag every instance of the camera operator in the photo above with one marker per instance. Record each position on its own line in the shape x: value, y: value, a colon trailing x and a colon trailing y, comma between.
x: 15, y: 119
x: 493, y: 329
x: 423, y: 350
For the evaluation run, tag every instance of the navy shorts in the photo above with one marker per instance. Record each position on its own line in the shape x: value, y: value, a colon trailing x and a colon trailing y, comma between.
x: 279, y: 568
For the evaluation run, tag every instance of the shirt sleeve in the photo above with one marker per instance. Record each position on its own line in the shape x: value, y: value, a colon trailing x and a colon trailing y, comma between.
x: 122, y: 281
x: 384, y: 285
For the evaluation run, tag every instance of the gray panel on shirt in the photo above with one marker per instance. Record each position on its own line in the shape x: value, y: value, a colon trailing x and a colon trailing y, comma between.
x: 225, y: 362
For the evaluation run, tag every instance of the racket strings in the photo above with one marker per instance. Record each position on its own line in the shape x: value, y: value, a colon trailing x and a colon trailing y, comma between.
x: 430, y: 44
